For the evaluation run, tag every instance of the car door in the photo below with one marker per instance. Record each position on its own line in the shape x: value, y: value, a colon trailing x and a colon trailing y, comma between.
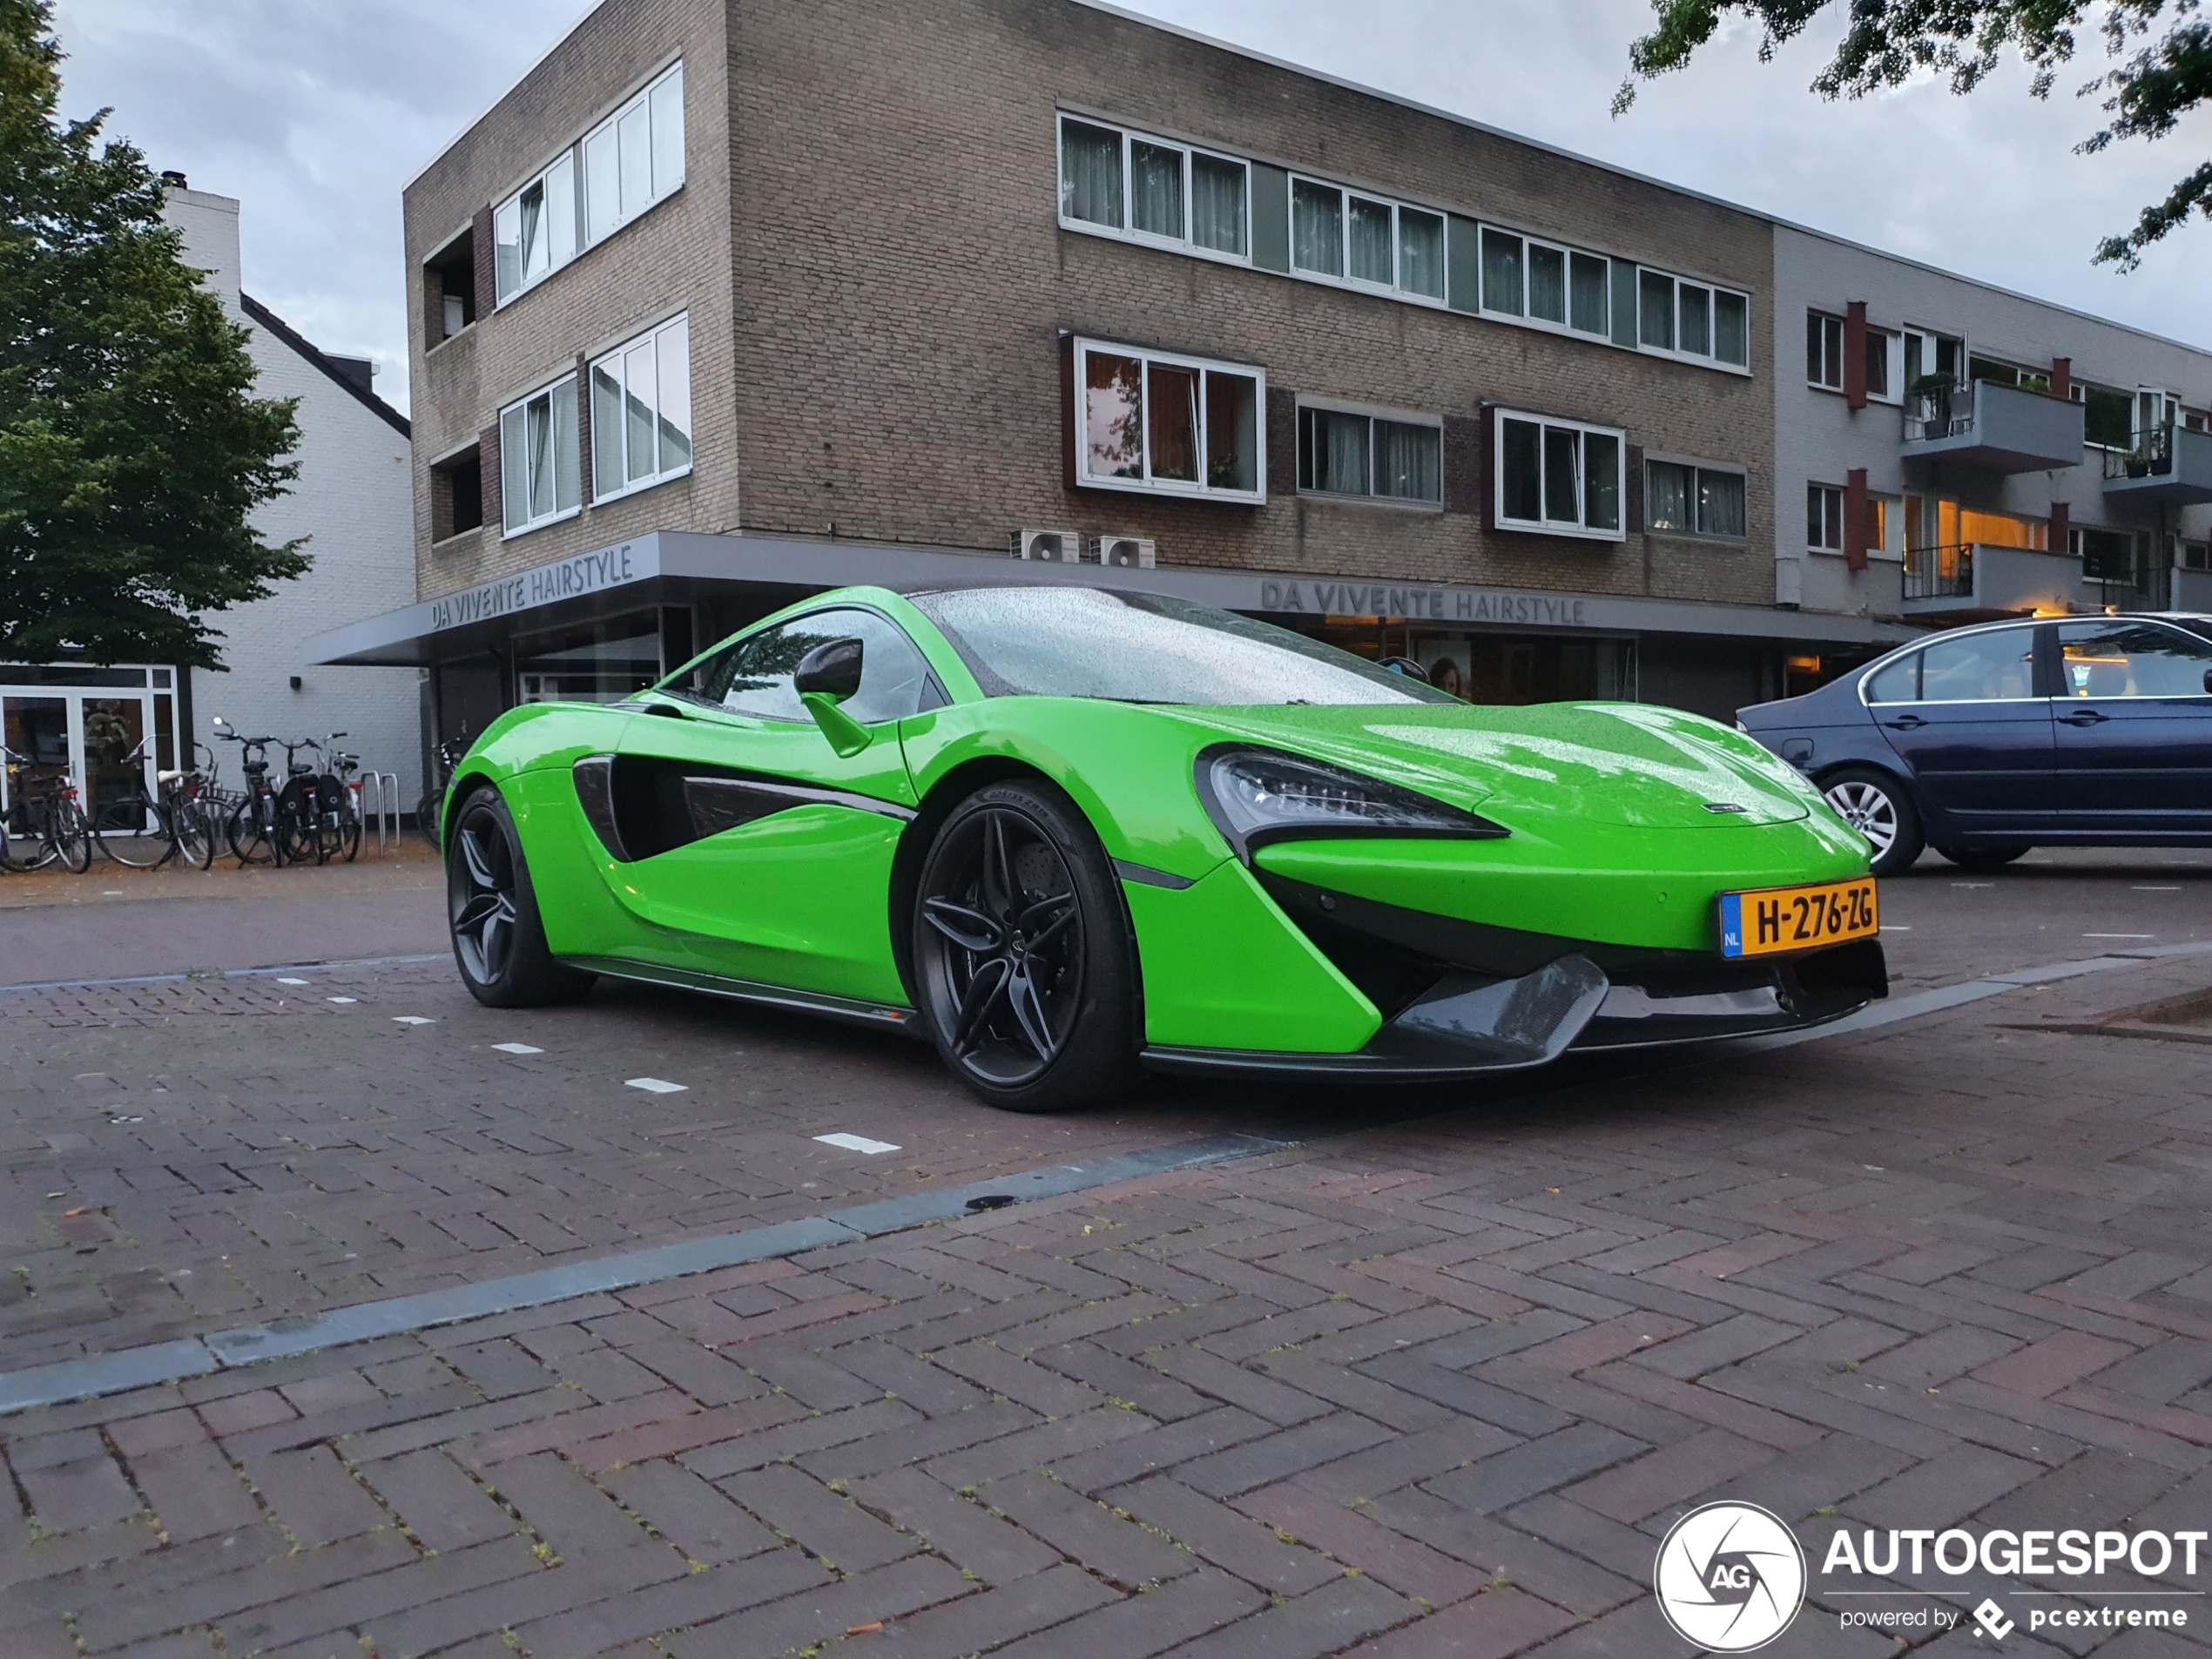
x: 1974, y: 734
x: 2133, y: 724
x: 748, y: 837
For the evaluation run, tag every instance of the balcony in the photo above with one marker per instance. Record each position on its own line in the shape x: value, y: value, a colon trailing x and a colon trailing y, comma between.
x: 1992, y: 428
x: 2193, y: 591
x: 2171, y: 465
x: 1967, y: 583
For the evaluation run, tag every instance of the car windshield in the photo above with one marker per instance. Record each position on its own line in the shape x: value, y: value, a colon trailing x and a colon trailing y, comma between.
x: 1147, y: 648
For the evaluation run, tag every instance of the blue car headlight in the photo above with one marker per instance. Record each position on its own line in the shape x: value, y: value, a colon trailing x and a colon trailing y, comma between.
x: 1256, y: 796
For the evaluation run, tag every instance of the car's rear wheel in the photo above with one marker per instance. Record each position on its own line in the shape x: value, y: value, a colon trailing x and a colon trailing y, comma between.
x: 498, y: 938
x: 1981, y: 858
x: 1022, y: 960
x: 1876, y: 805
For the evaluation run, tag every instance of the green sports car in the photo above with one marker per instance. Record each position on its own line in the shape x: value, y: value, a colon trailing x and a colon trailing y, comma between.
x: 1068, y: 834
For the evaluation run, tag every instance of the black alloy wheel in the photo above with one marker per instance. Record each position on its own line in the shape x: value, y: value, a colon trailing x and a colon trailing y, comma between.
x: 1022, y: 953
x: 498, y: 939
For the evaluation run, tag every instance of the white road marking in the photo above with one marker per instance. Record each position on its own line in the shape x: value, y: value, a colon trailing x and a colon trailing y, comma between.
x: 341, y: 999
x: 292, y: 982
x: 517, y: 1048
x: 656, y: 1085
x: 1888, y: 929
x: 2120, y: 935
x: 856, y: 1143
x: 1972, y: 887
x: 2157, y: 889
x: 411, y: 1019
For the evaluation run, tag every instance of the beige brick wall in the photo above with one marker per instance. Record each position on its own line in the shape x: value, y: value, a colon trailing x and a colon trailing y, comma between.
x: 877, y: 286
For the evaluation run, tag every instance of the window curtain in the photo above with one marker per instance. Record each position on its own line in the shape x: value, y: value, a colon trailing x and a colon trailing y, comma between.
x: 1409, y: 460
x: 1155, y: 189
x: 1371, y: 258
x: 1719, y: 503
x: 1420, y: 252
x: 1090, y: 174
x: 1501, y: 273
x: 1217, y: 204
x: 1317, y: 228
x: 1666, y: 504
x: 1339, y: 453
x: 1547, y: 283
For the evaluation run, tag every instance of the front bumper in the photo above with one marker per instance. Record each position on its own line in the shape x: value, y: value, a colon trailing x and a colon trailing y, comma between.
x: 1459, y: 998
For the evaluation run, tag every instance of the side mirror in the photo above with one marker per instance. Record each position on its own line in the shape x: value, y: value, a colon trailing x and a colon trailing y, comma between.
x: 1405, y: 665
x: 826, y: 675
x: 831, y: 671
x: 2208, y: 682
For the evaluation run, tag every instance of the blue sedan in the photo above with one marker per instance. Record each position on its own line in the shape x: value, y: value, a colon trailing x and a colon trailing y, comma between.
x: 1983, y: 742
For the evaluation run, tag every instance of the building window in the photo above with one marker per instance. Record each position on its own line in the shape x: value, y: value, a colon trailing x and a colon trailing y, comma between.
x: 539, y: 475
x: 1693, y: 319
x: 1824, y: 351
x: 2107, y: 555
x: 456, y: 494
x: 1558, y: 476
x: 2108, y: 415
x: 1343, y: 454
x: 1375, y: 243
x: 630, y: 161
x: 1693, y: 501
x: 1172, y: 192
x: 1878, y: 365
x: 641, y: 412
x: 450, y: 290
x: 634, y: 158
x: 1177, y: 425
x: 1825, y: 518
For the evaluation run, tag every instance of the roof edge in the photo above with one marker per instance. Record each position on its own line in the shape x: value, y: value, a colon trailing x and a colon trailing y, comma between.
x: 307, y: 349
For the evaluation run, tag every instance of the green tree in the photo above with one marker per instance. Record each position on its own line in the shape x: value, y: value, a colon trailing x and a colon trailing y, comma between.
x: 132, y: 451
x: 2160, y: 51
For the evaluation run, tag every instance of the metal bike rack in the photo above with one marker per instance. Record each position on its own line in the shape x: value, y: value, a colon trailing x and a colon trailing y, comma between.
x: 385, y: 809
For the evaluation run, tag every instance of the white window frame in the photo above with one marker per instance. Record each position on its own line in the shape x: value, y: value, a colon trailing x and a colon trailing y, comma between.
x: 1397, y: 417
x: 557, y: 180
x: 508, y: 530
x: 1694, y: 466
x: 1148, y: 485
x: 657, y: 192
x: 1553, y: 526
x: 1395, y: 288
x: 572, y: 162
x: 618, y: 356
x: 1127, y: 231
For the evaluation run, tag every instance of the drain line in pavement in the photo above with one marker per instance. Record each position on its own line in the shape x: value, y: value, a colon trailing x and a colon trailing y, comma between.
x: 168, y: 1362
x: 213, y: 976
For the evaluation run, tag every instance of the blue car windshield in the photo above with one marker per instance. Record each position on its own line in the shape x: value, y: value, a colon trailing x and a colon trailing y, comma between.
x: 1147, y: 648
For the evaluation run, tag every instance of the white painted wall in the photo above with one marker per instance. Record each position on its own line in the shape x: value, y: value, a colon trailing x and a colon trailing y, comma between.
x: 354, y: 501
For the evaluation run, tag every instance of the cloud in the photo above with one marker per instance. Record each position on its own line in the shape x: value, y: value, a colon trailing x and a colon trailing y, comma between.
x: 315, y: 113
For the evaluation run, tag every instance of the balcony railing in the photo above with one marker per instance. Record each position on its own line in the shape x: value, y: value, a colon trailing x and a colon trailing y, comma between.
x: 1942, y: 411
x: 2152, y: 457
x: 1938, y: 572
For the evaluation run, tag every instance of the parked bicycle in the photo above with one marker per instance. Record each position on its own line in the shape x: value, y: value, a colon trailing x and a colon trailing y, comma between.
x: 140, y: 831
x: 344, y: 767
x: 430, y: 810
x: 46, y: 823
x: 253, y: 831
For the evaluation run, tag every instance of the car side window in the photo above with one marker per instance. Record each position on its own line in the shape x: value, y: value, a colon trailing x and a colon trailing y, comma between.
x: 1980, y: 668
x: 1898, y: 683
x: 755, y: 676
x: 2121, y: 658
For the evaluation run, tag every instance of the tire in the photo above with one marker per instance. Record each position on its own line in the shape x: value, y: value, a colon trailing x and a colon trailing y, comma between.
x: 134, y: 832
x: 195, y: 831
x: 299, y: 824
x: 1880, y: 808
x: 72, y: 837
x: 248, y: 842
x: 1015, y: 878
x: 430, y: 817
x: 491, y: 912
x: 349, y: 823
x: 1981, y: 858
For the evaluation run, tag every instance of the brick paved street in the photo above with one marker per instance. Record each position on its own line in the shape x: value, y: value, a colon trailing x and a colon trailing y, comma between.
x: 1434, y: 1385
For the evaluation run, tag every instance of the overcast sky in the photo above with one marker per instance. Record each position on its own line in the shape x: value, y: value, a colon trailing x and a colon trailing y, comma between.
x: 315, y: 113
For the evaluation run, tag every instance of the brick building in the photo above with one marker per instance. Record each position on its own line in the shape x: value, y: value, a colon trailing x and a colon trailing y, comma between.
x: 722, y: 305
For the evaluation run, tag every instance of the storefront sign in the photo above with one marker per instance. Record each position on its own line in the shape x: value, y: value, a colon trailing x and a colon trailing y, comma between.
x: 610, y: 567
x: 1424, y: 604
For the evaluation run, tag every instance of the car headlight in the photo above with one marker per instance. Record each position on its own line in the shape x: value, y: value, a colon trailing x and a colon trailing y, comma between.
x: 1256, y: 796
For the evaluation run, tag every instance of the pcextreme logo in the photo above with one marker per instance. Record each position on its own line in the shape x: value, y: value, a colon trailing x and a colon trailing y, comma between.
x: 1729, y: 1577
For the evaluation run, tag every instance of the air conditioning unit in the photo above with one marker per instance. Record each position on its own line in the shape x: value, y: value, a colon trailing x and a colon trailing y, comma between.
x: 1053, y: 547
x: 1125, y: 552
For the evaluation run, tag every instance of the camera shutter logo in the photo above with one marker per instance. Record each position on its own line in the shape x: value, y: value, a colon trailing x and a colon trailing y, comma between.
x: 1729, y: 1577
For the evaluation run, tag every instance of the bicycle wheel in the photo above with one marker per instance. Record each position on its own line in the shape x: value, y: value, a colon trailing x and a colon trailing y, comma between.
x: 349, y: 824
x: 193, y: 831
x: 249, y: 839
x: 299, y: 836
x: 430, y: 813
x: 73, y: 836
x: 133, y: 831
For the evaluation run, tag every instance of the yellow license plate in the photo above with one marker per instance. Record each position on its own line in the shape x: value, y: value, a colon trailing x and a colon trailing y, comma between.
x: 1779, y: 919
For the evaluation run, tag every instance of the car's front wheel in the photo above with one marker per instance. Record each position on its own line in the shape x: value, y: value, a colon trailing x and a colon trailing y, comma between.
x: 1875, y: 805
x: 1024, y: 966
x: 498, y: 937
